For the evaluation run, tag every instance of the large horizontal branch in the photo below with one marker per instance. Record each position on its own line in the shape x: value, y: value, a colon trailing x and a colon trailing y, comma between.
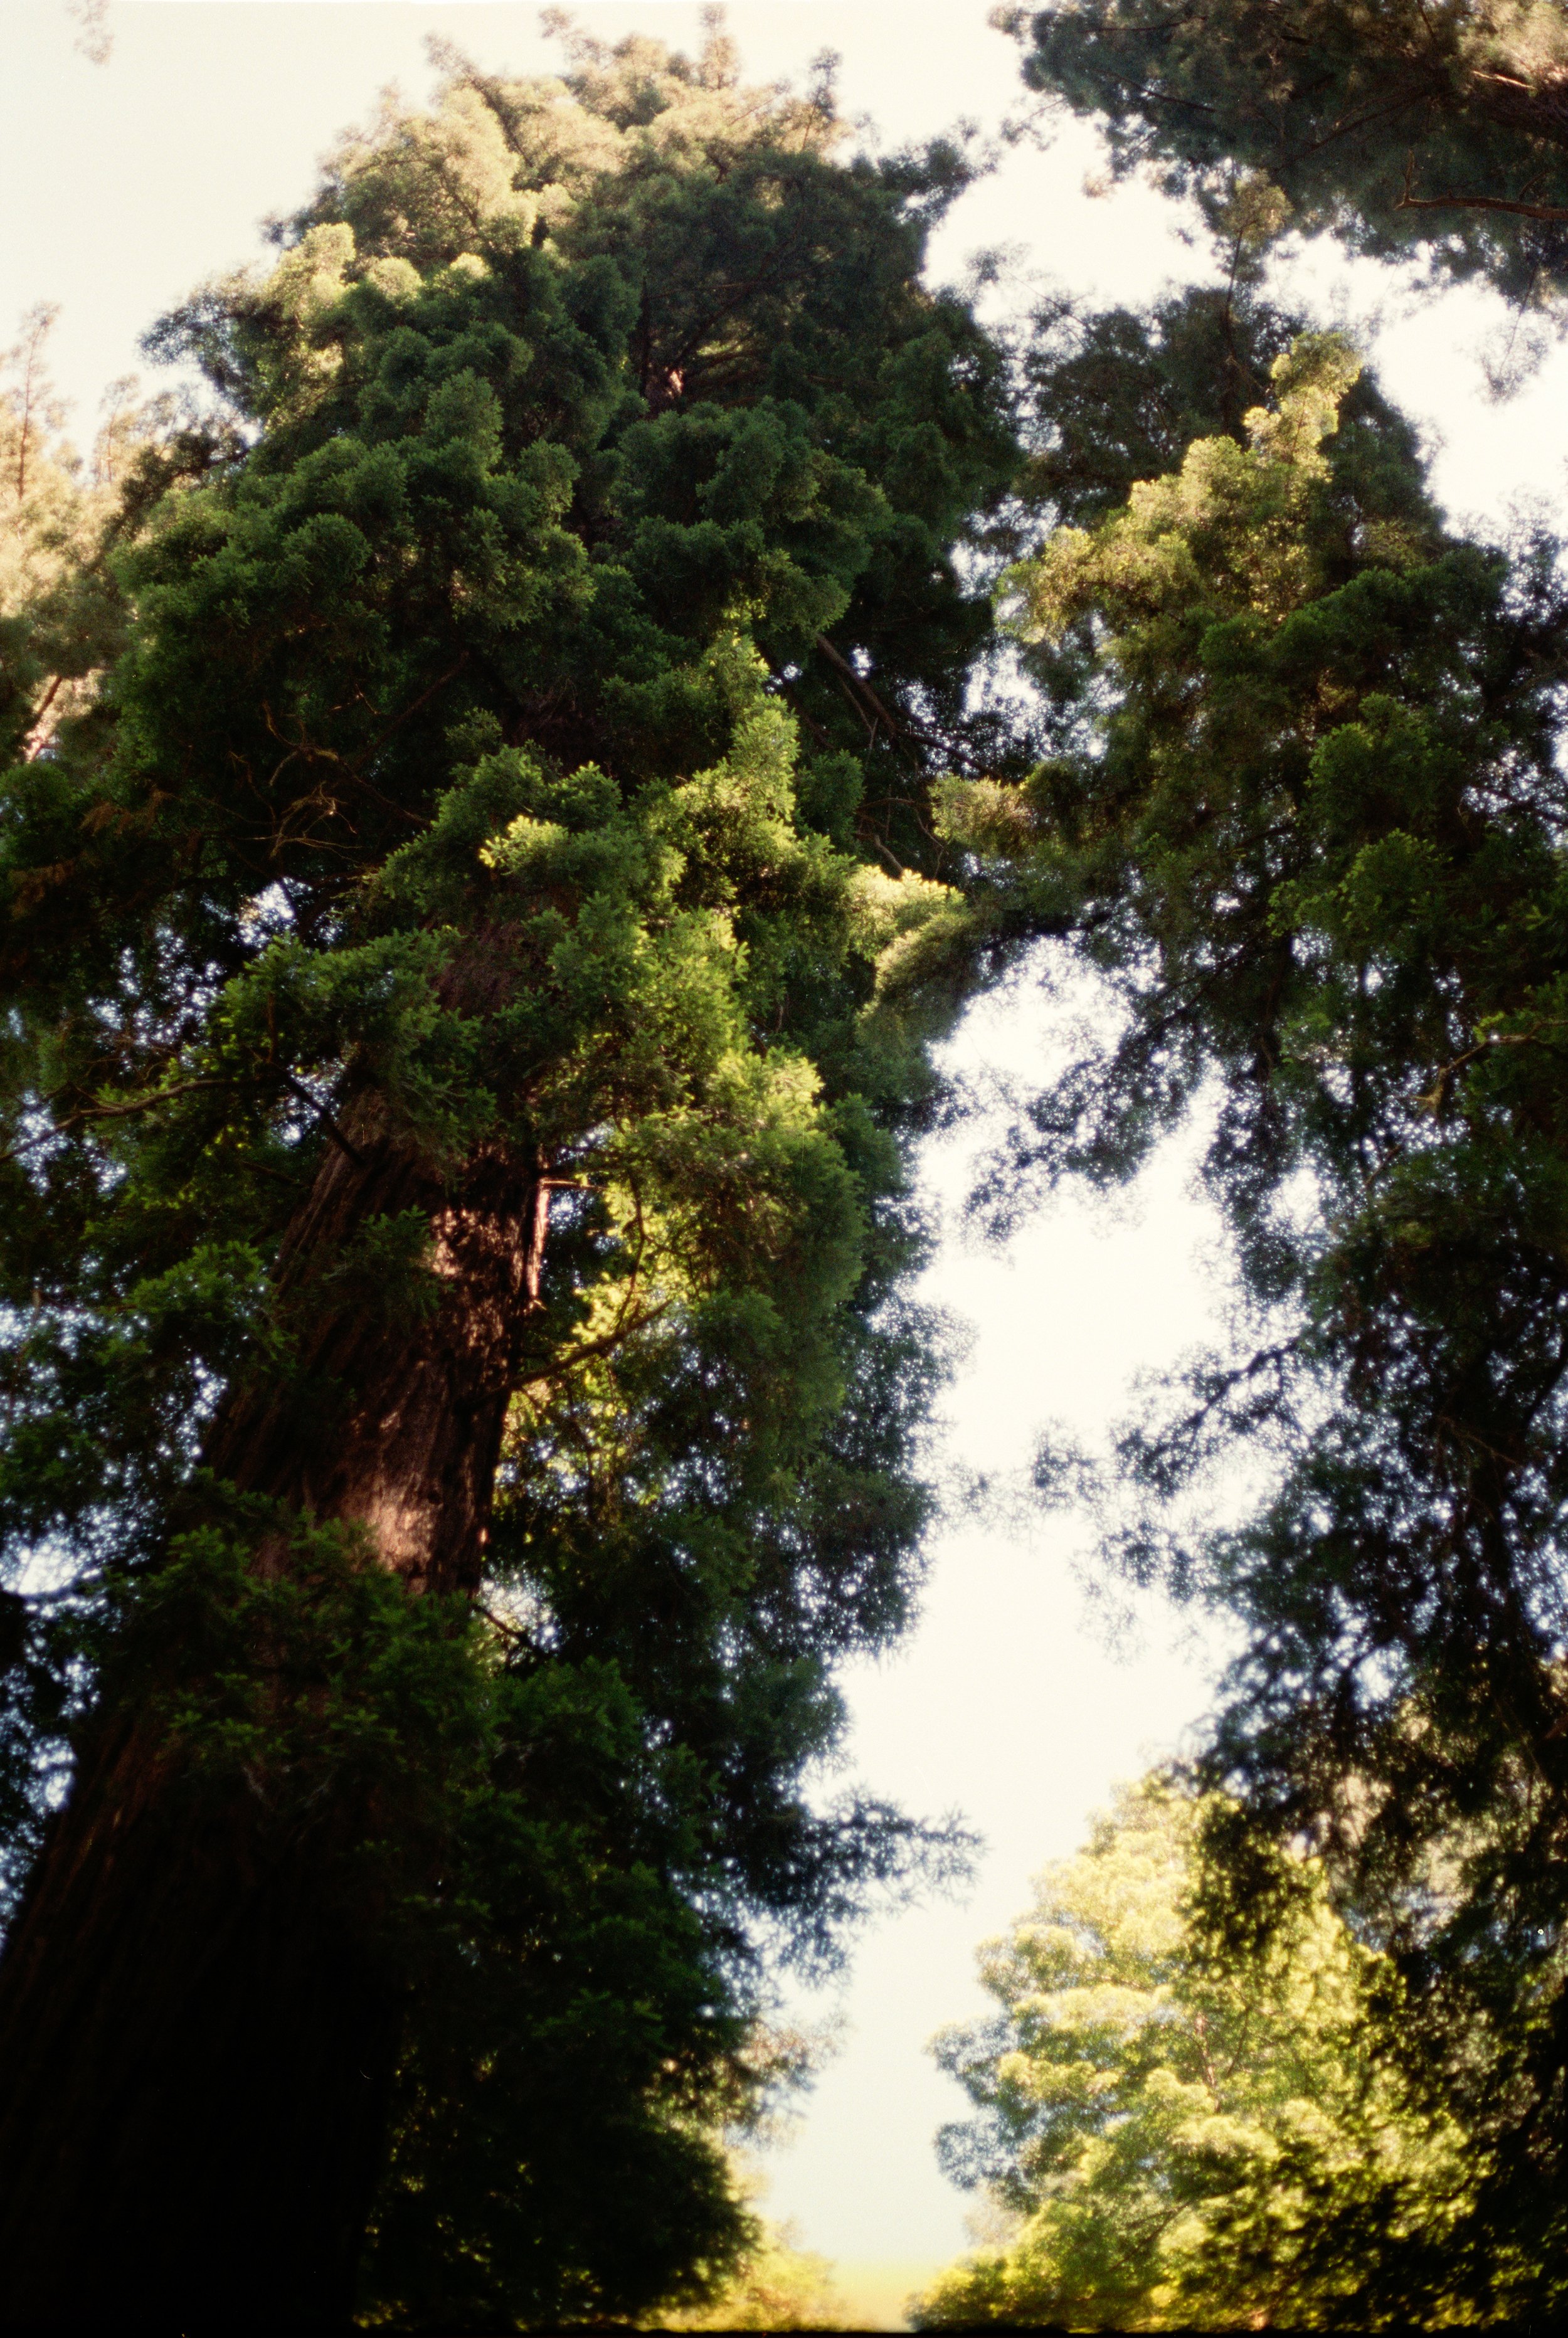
x: 1481, y: 203
x: 1412, y: 203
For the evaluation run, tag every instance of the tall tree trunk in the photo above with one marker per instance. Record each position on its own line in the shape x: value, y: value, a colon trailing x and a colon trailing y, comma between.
x: 195, y: 2050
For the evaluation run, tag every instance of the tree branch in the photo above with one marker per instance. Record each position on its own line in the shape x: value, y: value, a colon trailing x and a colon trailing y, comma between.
x: 1409, y: 202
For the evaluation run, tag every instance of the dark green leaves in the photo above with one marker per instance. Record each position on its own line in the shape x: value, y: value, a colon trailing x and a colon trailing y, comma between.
x: 1313, y: 817
x: 1400, y: 130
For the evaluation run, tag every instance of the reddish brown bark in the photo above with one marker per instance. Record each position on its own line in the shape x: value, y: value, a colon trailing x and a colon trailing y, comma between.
x: 399, y: 1427
x: 195, y: 2049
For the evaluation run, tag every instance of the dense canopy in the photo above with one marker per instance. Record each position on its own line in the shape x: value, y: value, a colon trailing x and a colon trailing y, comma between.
x: 473, y: 930
x: 1309, y: 822
x: 1402, y: 128
x: 498, y: 800
x: 1308, y: 806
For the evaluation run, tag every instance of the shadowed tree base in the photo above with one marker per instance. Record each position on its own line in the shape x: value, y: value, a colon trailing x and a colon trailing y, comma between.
x: 195, y: 2095
x: 195, y: 2055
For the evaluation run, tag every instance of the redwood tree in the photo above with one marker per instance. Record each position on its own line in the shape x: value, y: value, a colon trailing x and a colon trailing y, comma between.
x: 469, y: 952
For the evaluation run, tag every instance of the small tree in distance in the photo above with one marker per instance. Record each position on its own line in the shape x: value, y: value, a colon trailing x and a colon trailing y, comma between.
x: 1181, y: 2135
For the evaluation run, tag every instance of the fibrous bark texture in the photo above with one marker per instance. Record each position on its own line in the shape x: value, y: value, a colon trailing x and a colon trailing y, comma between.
x: 195, y: 2049
x: 406, y: 1432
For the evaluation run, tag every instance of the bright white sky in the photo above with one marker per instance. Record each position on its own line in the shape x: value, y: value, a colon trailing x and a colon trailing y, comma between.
x: 122, y: 186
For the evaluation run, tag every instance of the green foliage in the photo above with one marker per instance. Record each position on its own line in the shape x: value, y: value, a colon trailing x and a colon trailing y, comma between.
x: 1115, y: 396
x: 1182, y: 2137
x: 60, y: 610
x: 1404, y: 129
x: 1310, y: 820
x: 775, y: 2286
x: 441, y: 776
x: 554, y: 2107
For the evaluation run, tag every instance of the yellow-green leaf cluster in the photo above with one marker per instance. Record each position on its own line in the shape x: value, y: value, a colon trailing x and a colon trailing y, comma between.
x: 1179, y: 2136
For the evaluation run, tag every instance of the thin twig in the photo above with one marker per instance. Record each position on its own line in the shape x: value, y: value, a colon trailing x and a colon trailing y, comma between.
x: 297, y: 1088
x: 111, y: 1112
x: 603, y: 1346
